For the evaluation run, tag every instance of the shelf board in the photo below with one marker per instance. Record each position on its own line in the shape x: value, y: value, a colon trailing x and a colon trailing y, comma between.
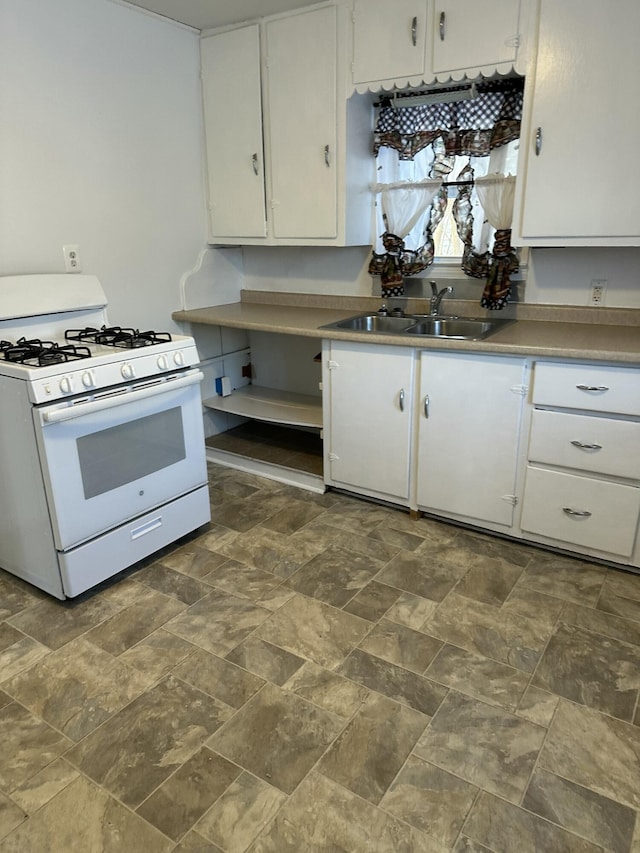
x: 269, y: 404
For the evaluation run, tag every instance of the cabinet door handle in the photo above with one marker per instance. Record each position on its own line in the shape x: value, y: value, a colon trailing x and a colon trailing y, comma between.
x: 426, y: 405
x: 592, y: 387
x: 414, y: 31
x: 576, y: 513
x: 254, y: 161
x: 443, y: 18
x: 584, y: 446
x: 538, y: 147
x: 401, y: 399
x: 327, y: 156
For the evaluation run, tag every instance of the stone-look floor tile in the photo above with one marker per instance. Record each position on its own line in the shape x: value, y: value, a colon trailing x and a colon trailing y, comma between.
x: 400, y: 645
x: 197, y: 560
x: 323, y: 816
x: 373, y: 601
x: 334, y: 576
x: 9, y: 636
x: 15, y: 596
x: 28, y: 745
x: 504, y: 828
x: 430, y: 572
x: 293, y: 517
x: 134, y: 623
x: 538, y: 706
x: 366, y: 757
x: 272, y: 552
x: 430, y: 799
x: 266, y: 660
x: 563, y: 577
x: 244, y: 581
x: 195, y: 843
x: 106, y: 826
x: 19, y: 657
x: 464, y: 844
x: 629, y: 608
x: 11, y: 816
x: 397, y: 538
x: 386, y: 678
x: 602, y: 623
x: 218, y: 622
x: 624, y: 584
x: 489, y: 579
x: 157, y: 654
x: 277, y: 736
x: 595, y: 751
x: 356, y: 517
x: 142, y: 745
x: 5, y: 699
x: 242, y: 515
x: 219, y: 678
x: 483, y: 744
x: 243, y: 811
x: 486, y: 545
x: 77, y: 687
x: 591, y: 669
x: 598, y: 819
x: 326, y: 689
x: 172, y: 583
x: 479, y: 677
x: 314, y: 630
x: 490, y: 631
x: 181, y: 801
x: 322, y: 534
x: 542, y: 608
x: 42, y: 787
x: 411, y: 610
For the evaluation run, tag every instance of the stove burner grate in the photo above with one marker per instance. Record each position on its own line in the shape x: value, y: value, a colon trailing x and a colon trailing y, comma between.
x: 116, y: 336
x: 37, y: 353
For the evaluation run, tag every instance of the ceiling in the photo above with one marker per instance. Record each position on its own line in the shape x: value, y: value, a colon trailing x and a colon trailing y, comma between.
x: 205, y: 14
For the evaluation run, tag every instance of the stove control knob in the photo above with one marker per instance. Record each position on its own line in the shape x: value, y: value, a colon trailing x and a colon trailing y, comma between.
x: 65, y: 385
x: 178, y: 357
x: 87, y: 379
x: 127, y: 371
x: 163, y: 363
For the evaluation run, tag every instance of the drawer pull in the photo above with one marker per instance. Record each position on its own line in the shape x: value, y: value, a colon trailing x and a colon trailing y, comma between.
x: 401, y: 399
x: 576, y: 513
x: 592, y: 387
x: 584, y: 446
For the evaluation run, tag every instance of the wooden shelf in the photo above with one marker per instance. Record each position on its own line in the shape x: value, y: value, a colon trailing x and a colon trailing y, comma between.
x: 269, y: 404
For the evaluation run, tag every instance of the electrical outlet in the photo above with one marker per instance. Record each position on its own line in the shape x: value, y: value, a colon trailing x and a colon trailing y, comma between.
x: 72, y: 258
x: 598, y: 290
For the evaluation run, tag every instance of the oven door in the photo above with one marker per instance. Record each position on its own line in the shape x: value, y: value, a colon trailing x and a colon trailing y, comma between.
x: 117, y: 454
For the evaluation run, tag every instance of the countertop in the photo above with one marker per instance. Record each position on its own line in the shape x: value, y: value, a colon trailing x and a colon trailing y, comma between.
x: 618, y: 343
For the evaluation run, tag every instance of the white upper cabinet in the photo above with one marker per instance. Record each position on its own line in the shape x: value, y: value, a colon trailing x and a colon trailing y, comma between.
x: 233, y: 132
x: 389, y: 40
x: 474, y: 34
x: 582, y: 124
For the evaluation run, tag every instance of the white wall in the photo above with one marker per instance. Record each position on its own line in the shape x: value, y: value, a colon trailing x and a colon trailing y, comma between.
x: 101, y: 145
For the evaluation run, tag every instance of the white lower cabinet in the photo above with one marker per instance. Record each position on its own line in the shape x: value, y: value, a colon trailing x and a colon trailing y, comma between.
x: 582, y: 487
x: 469, y: 423
x: 367, y: 415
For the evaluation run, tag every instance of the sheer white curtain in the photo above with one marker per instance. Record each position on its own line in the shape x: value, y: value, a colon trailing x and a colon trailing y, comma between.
x: 497, y: 192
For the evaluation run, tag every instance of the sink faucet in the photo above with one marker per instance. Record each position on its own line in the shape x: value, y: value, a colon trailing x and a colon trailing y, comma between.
x: 437, y: 297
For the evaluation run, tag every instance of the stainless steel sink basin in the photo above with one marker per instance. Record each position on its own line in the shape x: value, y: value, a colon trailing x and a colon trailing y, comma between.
x: 426, y: 326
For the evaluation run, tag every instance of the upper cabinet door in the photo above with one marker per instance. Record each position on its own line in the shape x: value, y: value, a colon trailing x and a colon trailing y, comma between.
x: 389, y: 39
x: 233, y: 131
x: 302, y: 124
x: 578, y: 181
x: 474, y: 33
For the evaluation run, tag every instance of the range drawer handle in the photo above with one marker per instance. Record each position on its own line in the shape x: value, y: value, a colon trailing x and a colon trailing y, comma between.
x: 576, y: 513
x: 584, y: 446
x: 592, y: 387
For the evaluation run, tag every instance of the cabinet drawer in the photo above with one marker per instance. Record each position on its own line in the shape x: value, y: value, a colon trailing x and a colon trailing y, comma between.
x: 601, y: 445
x: 587, y: 386
x: 612, y: 518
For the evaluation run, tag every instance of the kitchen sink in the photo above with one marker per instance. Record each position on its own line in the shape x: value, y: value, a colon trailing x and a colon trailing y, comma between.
x: 422, y: 325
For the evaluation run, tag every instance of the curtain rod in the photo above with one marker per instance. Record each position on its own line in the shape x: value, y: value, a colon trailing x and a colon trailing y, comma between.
x: 450, y: 93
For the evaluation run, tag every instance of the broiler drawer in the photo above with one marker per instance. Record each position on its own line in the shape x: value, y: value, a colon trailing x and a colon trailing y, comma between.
x: 587, y: 386
x: 601, y: 445
x: 581, y: 510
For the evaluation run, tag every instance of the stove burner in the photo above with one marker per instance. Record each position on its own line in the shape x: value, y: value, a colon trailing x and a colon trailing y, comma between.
x: 115, y: 336
x: 37, y: 353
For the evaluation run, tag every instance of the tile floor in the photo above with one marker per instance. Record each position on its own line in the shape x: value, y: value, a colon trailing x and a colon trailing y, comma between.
x: 315, y: 673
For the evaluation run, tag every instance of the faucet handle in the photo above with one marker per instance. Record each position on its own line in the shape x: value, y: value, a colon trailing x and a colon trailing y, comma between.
x: 434, y: 288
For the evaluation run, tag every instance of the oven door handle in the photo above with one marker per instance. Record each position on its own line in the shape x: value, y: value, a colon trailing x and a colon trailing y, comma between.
x: 80, y: 409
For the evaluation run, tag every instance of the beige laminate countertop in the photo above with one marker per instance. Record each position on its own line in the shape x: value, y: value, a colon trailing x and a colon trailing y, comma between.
x: 541, y: 338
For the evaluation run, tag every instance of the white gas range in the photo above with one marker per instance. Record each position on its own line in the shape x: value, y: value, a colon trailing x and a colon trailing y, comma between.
x: 102, y: 457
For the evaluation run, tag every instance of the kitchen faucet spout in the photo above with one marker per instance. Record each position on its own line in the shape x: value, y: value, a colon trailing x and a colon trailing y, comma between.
x: 436, y: 297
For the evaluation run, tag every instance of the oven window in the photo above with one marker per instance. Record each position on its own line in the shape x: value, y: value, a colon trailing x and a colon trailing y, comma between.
x: 123, y: 454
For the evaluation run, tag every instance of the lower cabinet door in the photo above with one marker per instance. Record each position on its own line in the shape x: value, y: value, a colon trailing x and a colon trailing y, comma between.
x: 470, y: 410
x: 581, y: 511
